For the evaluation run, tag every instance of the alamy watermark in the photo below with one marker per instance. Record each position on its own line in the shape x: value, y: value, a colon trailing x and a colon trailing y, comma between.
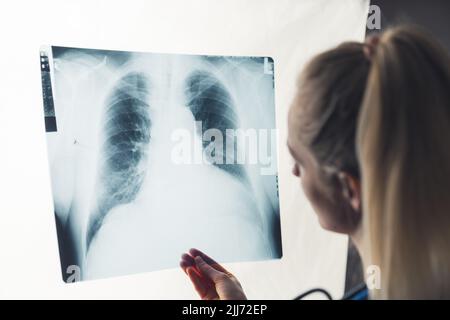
x: 373, y: 277
x: 73, y: 273
x: 226, y: 146
x: 374, y: 18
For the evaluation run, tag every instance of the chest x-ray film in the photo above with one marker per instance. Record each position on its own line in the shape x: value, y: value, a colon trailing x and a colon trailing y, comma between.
x: 153, y: 154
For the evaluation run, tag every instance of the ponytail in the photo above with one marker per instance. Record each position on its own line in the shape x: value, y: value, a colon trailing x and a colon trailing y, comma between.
x: 403, y: 148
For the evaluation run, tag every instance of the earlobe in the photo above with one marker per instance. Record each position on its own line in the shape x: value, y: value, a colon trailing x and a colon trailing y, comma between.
x: 351, y: 189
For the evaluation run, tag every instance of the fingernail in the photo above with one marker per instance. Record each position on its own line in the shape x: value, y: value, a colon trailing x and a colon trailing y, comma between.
x: 198, y: 259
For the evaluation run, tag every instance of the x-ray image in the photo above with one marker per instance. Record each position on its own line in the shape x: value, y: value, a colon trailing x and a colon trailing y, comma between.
x: 152, y: 154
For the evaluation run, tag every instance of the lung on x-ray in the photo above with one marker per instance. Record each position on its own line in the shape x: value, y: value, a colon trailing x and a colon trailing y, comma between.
x: 152, y: 154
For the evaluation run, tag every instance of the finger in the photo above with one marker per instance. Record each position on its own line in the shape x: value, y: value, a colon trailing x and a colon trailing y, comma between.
x: 184, y: 266
x: 195, y: 252
x: 186, y: 261
x: 197, y: 282
x: 208, y: 271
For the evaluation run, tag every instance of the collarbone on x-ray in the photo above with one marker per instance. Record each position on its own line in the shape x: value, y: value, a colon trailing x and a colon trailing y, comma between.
x: 123, y: 203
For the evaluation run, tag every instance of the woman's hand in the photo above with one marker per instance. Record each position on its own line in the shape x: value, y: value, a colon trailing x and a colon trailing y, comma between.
x: 210, y: 279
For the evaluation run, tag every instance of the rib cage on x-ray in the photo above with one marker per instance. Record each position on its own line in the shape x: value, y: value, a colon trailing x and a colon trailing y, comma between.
x: 126, y: 134
x: 126, y: 131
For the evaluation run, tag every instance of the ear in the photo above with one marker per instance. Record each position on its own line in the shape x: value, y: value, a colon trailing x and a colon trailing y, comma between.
x: 351, y: 189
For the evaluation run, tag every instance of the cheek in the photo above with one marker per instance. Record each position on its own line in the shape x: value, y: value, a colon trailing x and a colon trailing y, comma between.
x: 310, y: 189
x: 321, y: 202
x: 312, y: 192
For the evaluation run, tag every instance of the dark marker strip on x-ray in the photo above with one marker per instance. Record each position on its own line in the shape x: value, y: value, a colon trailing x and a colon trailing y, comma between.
x: 49, y: 107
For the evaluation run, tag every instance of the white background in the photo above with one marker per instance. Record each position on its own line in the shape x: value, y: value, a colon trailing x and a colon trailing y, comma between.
x: 290, y: 31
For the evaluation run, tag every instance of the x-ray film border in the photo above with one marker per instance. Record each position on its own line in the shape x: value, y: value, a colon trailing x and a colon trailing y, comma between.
x: 268, y: 65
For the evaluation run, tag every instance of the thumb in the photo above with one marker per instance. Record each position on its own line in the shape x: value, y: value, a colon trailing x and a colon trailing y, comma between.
x: 207, y: 270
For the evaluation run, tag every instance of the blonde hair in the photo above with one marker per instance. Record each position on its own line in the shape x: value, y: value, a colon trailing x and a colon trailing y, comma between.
x: 380, y: 111
x: 403, y: 148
